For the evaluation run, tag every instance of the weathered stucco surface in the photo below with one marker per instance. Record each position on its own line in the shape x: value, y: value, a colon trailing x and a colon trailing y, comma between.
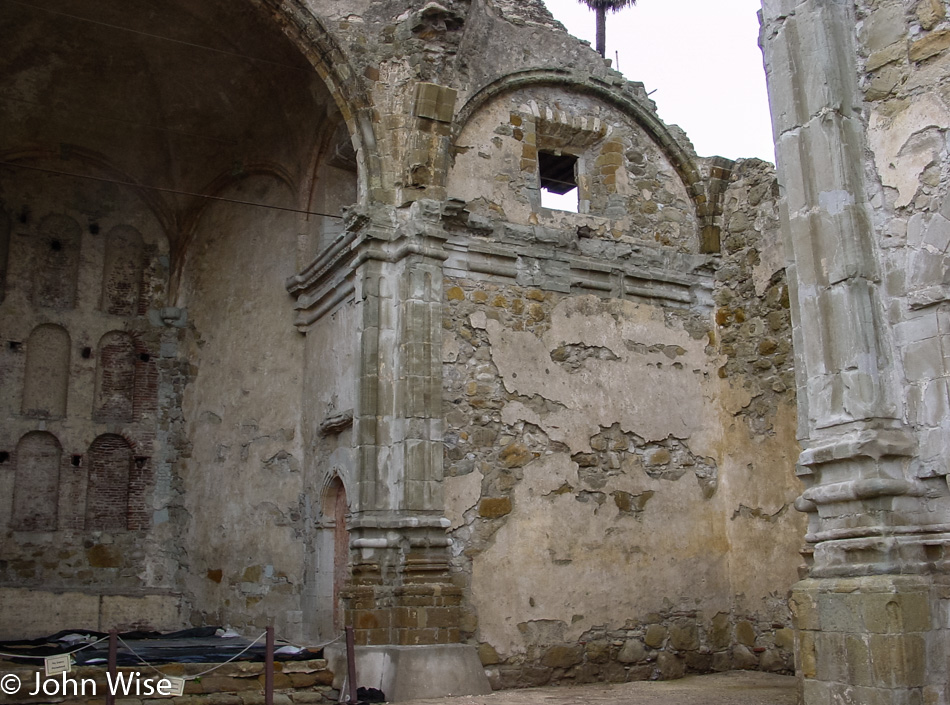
x: 353, y: 373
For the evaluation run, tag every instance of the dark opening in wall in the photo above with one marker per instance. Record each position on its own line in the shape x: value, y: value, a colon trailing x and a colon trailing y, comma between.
x: 4, y: 456
x: 55, y: 245
x: 86, y: 353
x: 145, y: 357
x: 15, y: 345
x: 94, y: 228
x: 557, y: 174
x: 76, y: 461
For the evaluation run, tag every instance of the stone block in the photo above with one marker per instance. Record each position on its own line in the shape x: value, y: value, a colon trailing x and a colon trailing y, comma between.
x: 744, y: 658
x: 720, y: 635
x: 562, y: 656
x: 494, y: 507
x: 841, y: 612
x: 655, y: 636
x: 805, y: 655
x: 435, y: 102
x: 632, y: 652
x: 930, y: 12
x: 487, y: 654
x: 785, y: 639
x: 931, y: 45
x: 745, y: 633
x: 670, y: 665
x: 857, y: 656
x: 684, y: 636
x: 898, y: 660
x: 887, y: 613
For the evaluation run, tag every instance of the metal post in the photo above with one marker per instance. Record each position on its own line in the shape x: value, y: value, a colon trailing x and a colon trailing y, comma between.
x: 113, y: 654
x: 269, y: 668
x: 351, y: 664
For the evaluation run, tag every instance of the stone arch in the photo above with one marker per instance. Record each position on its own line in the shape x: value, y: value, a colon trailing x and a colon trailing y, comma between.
x: 627, y: 103
x: 110, y: 470
x: 115, y: 378
x: 36, y: 483
x: 324, y: 53
x: 46, y: 380
x: 56, y: 262
x: 679, y: 154
x: 122, y: 271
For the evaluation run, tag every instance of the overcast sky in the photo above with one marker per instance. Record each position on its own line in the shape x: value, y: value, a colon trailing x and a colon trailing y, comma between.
x: 702, y: 59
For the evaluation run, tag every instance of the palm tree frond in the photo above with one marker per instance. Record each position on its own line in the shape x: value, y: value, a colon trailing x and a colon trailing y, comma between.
x: 612, y: 5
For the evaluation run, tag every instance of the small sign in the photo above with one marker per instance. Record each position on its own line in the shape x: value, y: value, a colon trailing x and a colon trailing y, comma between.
x: 177, y: 686
x: 61, y: 663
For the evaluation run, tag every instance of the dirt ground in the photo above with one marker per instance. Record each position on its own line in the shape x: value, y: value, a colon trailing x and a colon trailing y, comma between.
x: 732, y: 688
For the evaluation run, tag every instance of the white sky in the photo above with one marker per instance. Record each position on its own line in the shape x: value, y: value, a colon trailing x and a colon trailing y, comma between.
x: 702, y: 59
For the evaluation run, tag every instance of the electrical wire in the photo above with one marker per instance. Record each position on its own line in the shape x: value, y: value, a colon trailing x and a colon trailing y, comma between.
x: 49, y: 109
x: 161, y: 189
x: 308, y: 70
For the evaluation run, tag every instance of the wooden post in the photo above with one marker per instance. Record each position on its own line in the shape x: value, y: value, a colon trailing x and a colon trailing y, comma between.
x: 113, y: 658
x: 351, y: 664
x: 269, y: 668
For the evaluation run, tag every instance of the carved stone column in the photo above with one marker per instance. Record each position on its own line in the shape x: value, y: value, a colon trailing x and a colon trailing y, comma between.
x: 401, y: 592
x: 868, y: 615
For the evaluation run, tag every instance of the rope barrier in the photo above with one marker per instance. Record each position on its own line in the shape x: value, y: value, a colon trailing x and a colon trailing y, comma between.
x: 196, y: 675
x: 317, y: 646
x: 164, y: 675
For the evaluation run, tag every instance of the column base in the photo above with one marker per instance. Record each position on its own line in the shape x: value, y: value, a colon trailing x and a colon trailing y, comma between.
x: 412, y: 672
x: 873, y: 639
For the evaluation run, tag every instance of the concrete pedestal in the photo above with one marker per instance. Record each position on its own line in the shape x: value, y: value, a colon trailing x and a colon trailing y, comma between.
x: 411, y: 672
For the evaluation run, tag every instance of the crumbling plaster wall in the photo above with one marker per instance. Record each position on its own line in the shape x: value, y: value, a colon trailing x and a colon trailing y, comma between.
x: 242, y: 480
x: 617, y: 472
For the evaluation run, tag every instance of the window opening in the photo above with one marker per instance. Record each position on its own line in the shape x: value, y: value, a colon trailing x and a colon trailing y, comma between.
x: 558, y: 177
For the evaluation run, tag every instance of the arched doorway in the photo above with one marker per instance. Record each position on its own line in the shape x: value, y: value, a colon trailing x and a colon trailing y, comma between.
x: 335, y: 507
x: 330, y: 561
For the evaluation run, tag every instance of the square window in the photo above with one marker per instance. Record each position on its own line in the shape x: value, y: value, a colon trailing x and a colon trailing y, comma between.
x: 558, y: 177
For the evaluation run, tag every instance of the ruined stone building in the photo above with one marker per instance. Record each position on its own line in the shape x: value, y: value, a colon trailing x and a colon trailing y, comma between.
x: 288, y: 337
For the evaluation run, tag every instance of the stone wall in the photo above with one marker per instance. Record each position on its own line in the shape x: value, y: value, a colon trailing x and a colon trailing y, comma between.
x: 90, y: 388
x: 298, y: 343
x: 576, y: 425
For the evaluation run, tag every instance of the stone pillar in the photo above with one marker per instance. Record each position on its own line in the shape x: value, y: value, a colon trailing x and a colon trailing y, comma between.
x: 401, y: 591
x: 385, y: 270
x: 871, y: 615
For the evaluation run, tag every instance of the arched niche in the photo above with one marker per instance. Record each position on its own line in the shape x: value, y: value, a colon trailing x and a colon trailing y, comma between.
x: 115, y: 378
x: 46, y: 380
x: 122, y: 271
x: 56, y: 252
x: 36, y: 484
x: 110, y: 468
x: 332, y: 560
